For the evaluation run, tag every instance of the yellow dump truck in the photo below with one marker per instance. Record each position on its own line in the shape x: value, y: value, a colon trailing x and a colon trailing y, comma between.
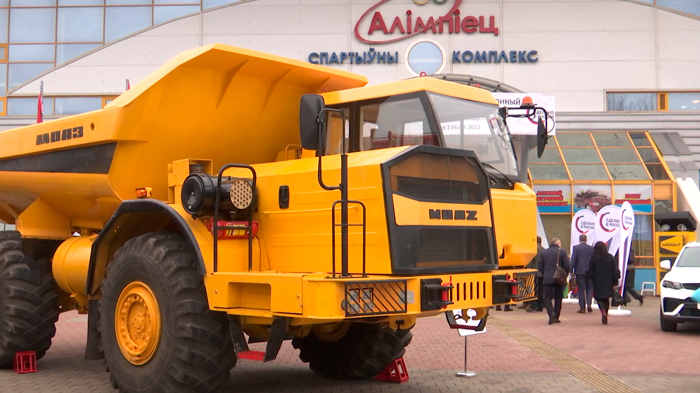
x: 234, y: 197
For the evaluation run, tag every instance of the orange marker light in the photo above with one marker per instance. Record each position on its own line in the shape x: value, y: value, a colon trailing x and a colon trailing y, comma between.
x: 143, y: 192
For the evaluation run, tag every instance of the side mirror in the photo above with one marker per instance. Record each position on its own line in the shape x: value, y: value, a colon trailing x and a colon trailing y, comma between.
x: 311, y: 127
x: 541, y: 137
x: 665, y: 264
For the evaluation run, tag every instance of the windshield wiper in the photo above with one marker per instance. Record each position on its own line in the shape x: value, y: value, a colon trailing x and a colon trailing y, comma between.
x: 486, y: 164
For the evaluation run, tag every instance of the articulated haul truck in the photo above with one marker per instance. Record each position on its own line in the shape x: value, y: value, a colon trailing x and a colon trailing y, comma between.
x: 235, y: 197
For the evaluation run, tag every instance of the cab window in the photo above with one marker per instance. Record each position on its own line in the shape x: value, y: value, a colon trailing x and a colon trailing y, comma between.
x: 334, y: 133
x: 395, y: 121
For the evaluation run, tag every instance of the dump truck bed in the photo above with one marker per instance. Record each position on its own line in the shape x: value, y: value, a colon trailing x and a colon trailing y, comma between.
x: 217, y: 102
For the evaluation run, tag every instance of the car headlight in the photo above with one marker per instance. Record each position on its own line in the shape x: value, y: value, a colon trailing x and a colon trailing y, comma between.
x: 672, y: 284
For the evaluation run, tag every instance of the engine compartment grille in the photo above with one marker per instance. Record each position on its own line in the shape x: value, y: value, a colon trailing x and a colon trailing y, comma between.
x: 458, y: 246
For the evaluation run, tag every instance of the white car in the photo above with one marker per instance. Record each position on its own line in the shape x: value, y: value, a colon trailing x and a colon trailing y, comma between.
x: 677, y: 286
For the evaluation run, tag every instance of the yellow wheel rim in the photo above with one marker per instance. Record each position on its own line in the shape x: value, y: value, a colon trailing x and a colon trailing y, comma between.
x: 137, y: 323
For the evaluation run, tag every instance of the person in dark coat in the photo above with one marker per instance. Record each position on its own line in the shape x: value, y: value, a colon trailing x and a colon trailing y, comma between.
x: 537, y: 305
x: 580, y: 258
x: 629, y: 279
x: 552, y: 291
x: 605, y: 274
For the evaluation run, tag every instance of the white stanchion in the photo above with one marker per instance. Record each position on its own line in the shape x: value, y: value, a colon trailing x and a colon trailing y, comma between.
x: 466, y: 373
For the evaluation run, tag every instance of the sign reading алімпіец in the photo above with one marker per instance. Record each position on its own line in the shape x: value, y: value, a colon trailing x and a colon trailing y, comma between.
x: 381, y: 24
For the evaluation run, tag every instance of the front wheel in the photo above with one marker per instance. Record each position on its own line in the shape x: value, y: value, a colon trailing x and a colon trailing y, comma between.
x: 158, y: 333
x: 362, y: 353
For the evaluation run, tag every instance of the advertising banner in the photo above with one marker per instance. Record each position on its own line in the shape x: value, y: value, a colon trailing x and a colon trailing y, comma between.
x: 607, y: 225
x: 553, y: 198
x: 639, y: 196
x: 582, y: 224
x: 591, y: 197
x: 625, y: 233
x: 528, y: 126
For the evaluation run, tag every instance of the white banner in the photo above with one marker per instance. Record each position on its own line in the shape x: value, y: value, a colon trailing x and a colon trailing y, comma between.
x: 607, y: 225
x: 625, y: 234
x: 526, y: 126
x: 582, y: 224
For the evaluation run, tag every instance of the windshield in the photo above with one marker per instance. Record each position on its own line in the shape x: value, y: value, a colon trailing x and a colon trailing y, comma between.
x: 689, y: 258
x: 469, y: 125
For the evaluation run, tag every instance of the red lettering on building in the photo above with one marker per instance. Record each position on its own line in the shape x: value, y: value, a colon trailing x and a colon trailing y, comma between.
x: 451, y: 23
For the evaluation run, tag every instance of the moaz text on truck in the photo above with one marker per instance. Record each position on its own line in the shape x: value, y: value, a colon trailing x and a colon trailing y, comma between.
x: 409, y: 25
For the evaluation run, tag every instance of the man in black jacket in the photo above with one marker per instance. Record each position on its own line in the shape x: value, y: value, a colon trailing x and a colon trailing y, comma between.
x: 580, y: 258
x: 537, y: 305
x: 547, y: 264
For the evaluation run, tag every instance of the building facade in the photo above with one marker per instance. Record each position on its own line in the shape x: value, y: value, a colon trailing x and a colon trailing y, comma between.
x: 624, y: 72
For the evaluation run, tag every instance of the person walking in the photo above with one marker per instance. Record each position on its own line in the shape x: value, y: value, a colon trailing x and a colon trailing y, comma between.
x: 537, y: 305
x: 580, y: 259
x: 551, y: 258
x: 604, y: 273
x: 629, y: 279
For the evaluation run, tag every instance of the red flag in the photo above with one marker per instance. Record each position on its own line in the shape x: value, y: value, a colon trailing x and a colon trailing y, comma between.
x: 40, y: 104
x: 128, y: 86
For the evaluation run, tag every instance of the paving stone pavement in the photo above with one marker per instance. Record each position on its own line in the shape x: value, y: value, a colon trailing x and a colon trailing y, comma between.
x: 630, y: 352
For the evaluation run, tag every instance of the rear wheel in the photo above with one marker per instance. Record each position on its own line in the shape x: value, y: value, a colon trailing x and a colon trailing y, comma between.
x: 28, y: 301
x: 666, y: 326
x: 362, y: 353
x: 158, y: 334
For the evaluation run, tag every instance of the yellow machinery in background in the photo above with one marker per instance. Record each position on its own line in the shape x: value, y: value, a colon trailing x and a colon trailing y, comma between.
x: 677, y: 230
x: 234, y: 196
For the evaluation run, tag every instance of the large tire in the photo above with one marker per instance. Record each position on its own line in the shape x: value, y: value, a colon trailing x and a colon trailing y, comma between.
x: 666, y: 325
x: 193, y: 350
x: 28, y: 301
x: 364, y: 351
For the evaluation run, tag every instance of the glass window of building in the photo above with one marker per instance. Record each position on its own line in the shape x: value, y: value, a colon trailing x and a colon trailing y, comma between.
x: 33, y: 53
x: 632, y: 102
x: 575, y: 140
x: 122, y: 21
x: 28, y: 106
x: 3, y: 77
x: 581, y: 155
x: 548, y: 172
x: 3, y: 25
x: 168, y: 12
x: 610, y: 139
x: 33, y: 3
x: 22, y: 72
x: 74, y: 105
x: 79, y: 24
x: 639, y: 139
x: 32, y: 25
x: 684, y: 101
x: 80, y: 2
x: 627, y: 172
x: 588, y: 172
x: 687, y: 6
x: 549, y: 156
x: 65, y: 52
x: 649, y: 155
x: 620, y: 155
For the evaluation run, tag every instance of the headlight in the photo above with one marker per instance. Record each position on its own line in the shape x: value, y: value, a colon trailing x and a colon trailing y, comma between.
x: 672, y: 284
x: 199, y: 195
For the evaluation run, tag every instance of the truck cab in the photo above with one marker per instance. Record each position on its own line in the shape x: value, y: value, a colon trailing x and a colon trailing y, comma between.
x: 428, y: 111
